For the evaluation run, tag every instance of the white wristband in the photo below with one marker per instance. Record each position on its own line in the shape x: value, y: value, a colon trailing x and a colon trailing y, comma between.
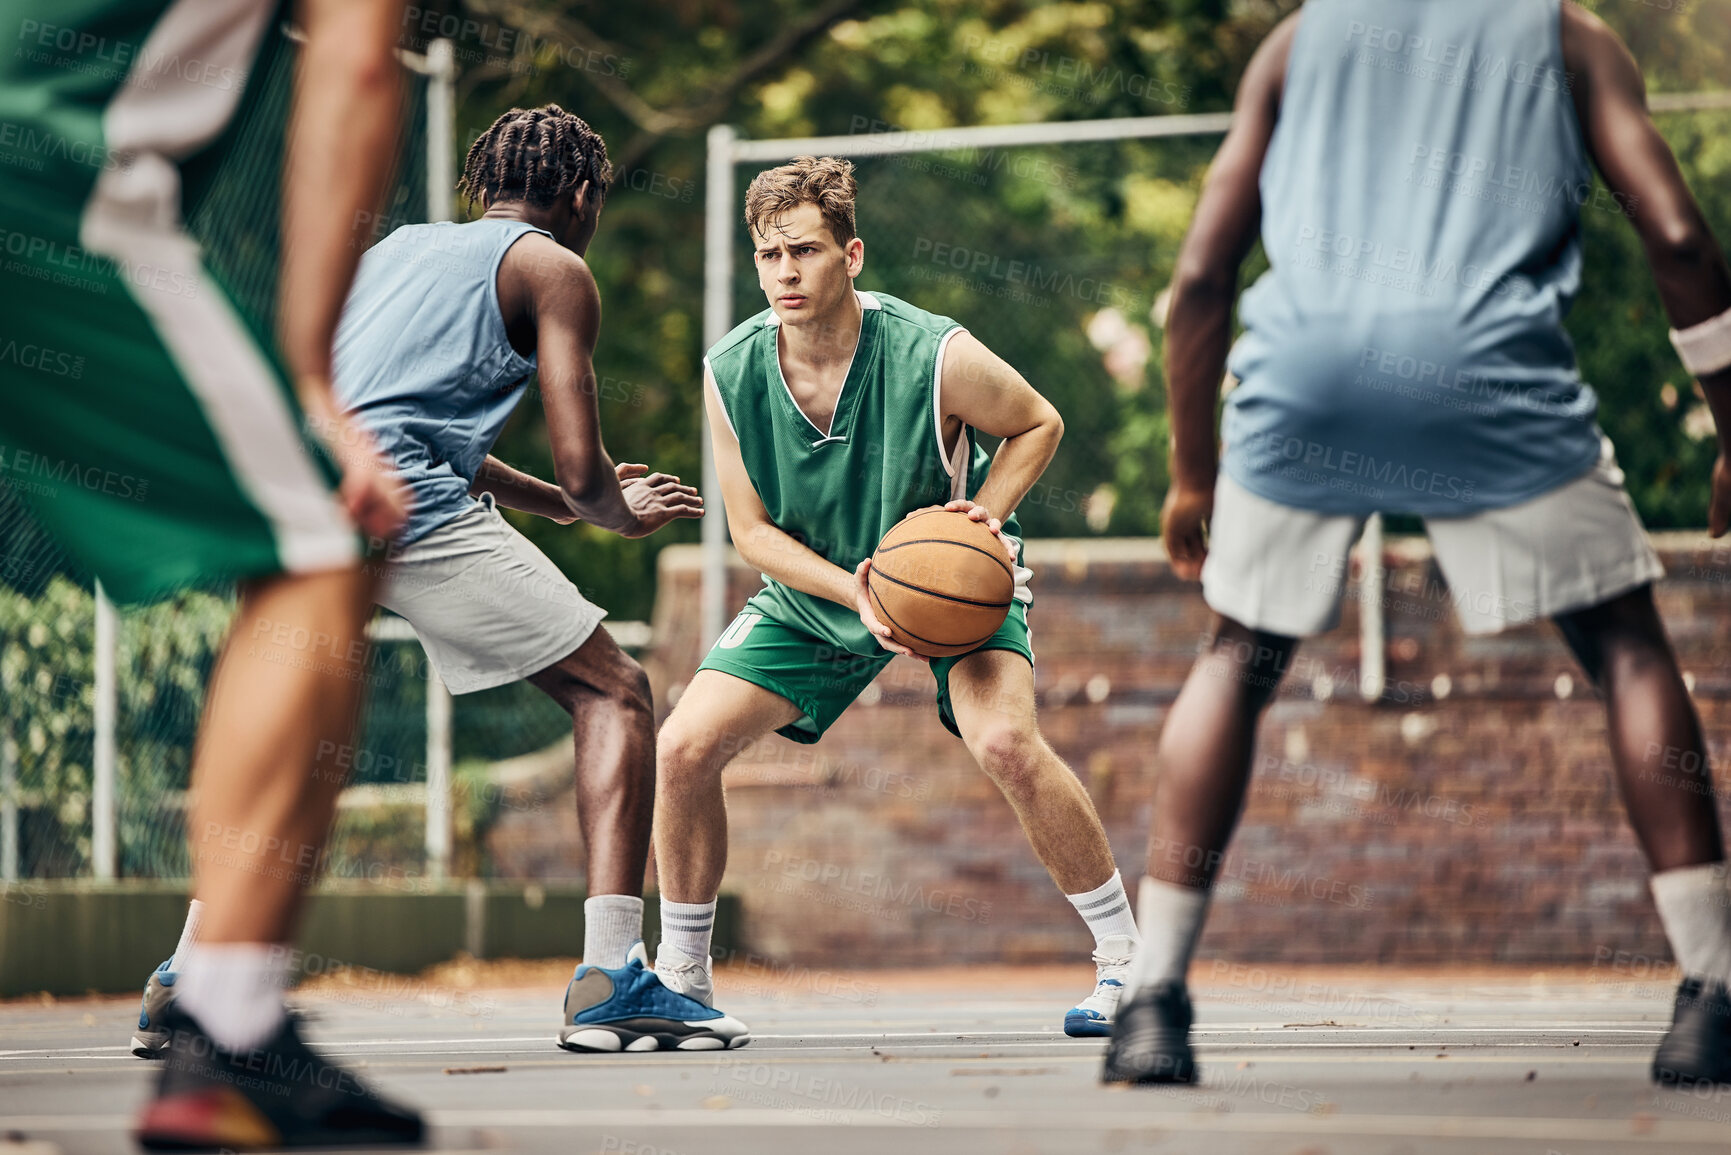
x: 1705, y: 348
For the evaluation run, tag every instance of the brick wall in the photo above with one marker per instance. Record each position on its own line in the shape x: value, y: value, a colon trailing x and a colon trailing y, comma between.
x: 1468, y: 815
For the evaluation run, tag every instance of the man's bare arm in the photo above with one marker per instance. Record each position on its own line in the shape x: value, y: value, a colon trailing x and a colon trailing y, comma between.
x: 346, y: 104
x: 1688, y: 264
x: 566, y: 309
x: 1204, y: 288
x: 514, y: 489
x: 980, y: 389
x: 341, y: 133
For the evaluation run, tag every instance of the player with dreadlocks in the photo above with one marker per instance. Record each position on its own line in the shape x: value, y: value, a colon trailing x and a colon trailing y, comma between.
x: 443, y: 329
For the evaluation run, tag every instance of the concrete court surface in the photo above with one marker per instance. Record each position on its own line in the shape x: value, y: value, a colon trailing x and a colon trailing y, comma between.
x: 1310, y: 1061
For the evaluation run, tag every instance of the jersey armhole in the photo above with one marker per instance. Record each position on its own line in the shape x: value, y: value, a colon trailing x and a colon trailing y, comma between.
x: 951, y: 462
x: 709, y: 382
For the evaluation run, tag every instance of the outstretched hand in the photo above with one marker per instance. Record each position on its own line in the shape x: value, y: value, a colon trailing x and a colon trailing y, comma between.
x: 656, y: 498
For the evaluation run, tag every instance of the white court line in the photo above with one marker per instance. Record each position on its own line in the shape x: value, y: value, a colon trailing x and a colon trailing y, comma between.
x: 1661, y: 1133
x: 1277, y: 1038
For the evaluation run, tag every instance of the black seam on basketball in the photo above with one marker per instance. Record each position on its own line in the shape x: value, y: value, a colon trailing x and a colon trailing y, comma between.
x: 909, y: 633
x: 1004, y: 605
x: 947, y: 541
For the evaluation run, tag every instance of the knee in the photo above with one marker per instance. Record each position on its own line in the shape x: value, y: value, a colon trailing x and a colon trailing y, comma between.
x: 1254, y: 663
x: 630, y: 688
x: 685, y: 754
x: 1011, y: 753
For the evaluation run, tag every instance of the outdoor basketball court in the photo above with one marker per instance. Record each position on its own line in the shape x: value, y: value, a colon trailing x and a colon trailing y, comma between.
x: 1296, y: 1062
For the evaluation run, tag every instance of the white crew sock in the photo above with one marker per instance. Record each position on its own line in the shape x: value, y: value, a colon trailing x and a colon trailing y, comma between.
x: 1171, y: 919
x: 194, y: 916
x: 612, y: 923
x: 688, y: 927
x: 1695, y: 907
x: 234, y: 990
x: 1106, y: 910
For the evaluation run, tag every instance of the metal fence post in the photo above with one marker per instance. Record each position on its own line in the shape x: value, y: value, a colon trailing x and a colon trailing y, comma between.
x: 104, y: 850
x: 717, y: 320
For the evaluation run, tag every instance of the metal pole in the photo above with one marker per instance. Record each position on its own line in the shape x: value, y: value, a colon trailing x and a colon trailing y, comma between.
x: 8, y: 810
x: 717, y: 320
x: 1371, y: 635
x: 438, y: 779
x: 441, y: 130
x: 103, y: 850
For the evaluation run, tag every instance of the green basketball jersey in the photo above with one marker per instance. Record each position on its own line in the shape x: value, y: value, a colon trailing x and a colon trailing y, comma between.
x: 882, y: 458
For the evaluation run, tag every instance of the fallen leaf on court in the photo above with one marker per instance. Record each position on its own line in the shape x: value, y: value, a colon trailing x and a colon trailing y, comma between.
x: 716, y: 1103
x: 475, y: 1070
x: 1642, y: 1123
x: 644, y: 1089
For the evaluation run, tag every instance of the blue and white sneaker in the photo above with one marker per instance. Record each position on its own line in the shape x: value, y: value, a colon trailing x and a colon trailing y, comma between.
x: 1092, y: 1018
x: 628, y: 1009
x: 151, y: 1039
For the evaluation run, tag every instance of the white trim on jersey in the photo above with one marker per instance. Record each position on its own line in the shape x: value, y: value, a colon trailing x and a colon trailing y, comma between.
x: 866, y: 301
x: 952, y: 461
x: 721, y: 402
x: 155, y: 119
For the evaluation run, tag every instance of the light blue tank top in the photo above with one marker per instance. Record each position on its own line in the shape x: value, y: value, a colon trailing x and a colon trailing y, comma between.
x: 1421, y: 206
x: 423, y: 359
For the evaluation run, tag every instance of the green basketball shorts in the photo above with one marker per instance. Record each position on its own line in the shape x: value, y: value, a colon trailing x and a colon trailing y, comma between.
x: 143, y: 420
x: 822, y: 679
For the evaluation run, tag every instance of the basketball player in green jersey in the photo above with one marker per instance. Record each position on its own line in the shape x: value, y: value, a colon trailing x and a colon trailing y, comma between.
x: 170, y: 441
x: 835, y: 414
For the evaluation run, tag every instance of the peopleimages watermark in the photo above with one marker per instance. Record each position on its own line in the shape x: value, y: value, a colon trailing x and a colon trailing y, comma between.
x: 43, y: 259
x: 831, y: 1100
x: 1351, y: 470
x: 31, y: 147
x: 1063, y: 75
x: 1381, y: 795
x: 1512, y: 186
x: 475, y: 41
x: 41, y: 358
x: 46, y: 476
x: 1452, y: 387
x: 873, y: 886
x: 969, y: 164
x: 1397, y: 267
x: 1446, y: 62
x: 81, y: 50
x: 1035, y: 277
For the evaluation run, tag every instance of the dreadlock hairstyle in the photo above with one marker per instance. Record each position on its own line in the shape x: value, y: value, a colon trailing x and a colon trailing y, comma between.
x: 538, y: 155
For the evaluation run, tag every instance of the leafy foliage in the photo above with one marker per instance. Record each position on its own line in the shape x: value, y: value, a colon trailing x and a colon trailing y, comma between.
x: 1117, y: 213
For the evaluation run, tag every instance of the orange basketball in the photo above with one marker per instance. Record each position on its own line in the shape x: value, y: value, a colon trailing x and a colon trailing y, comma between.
x: 941, y: 582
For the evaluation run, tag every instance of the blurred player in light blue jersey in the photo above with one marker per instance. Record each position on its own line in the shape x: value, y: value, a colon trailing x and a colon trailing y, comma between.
x: 1417, y: 174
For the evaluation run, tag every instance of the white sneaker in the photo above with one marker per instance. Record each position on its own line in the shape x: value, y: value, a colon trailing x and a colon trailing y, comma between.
x: 1092, y: 1018
x: 682, y: 974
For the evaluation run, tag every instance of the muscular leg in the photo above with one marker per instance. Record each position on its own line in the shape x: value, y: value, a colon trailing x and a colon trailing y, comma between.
x: 1205, y: 752
x: 992, y: 694
x: 717, y: 716
x: 265, y: 774
x: 613, y: 725
x: 1656, y: 743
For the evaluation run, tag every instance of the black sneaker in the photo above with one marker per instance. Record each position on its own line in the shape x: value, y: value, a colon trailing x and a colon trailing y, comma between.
x: 1697, y: 1048
x: 1151, y: 1039
x: 279, y: 1094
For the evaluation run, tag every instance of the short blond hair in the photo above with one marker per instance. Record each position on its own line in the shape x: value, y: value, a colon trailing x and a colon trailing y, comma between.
x: 824, y: 181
